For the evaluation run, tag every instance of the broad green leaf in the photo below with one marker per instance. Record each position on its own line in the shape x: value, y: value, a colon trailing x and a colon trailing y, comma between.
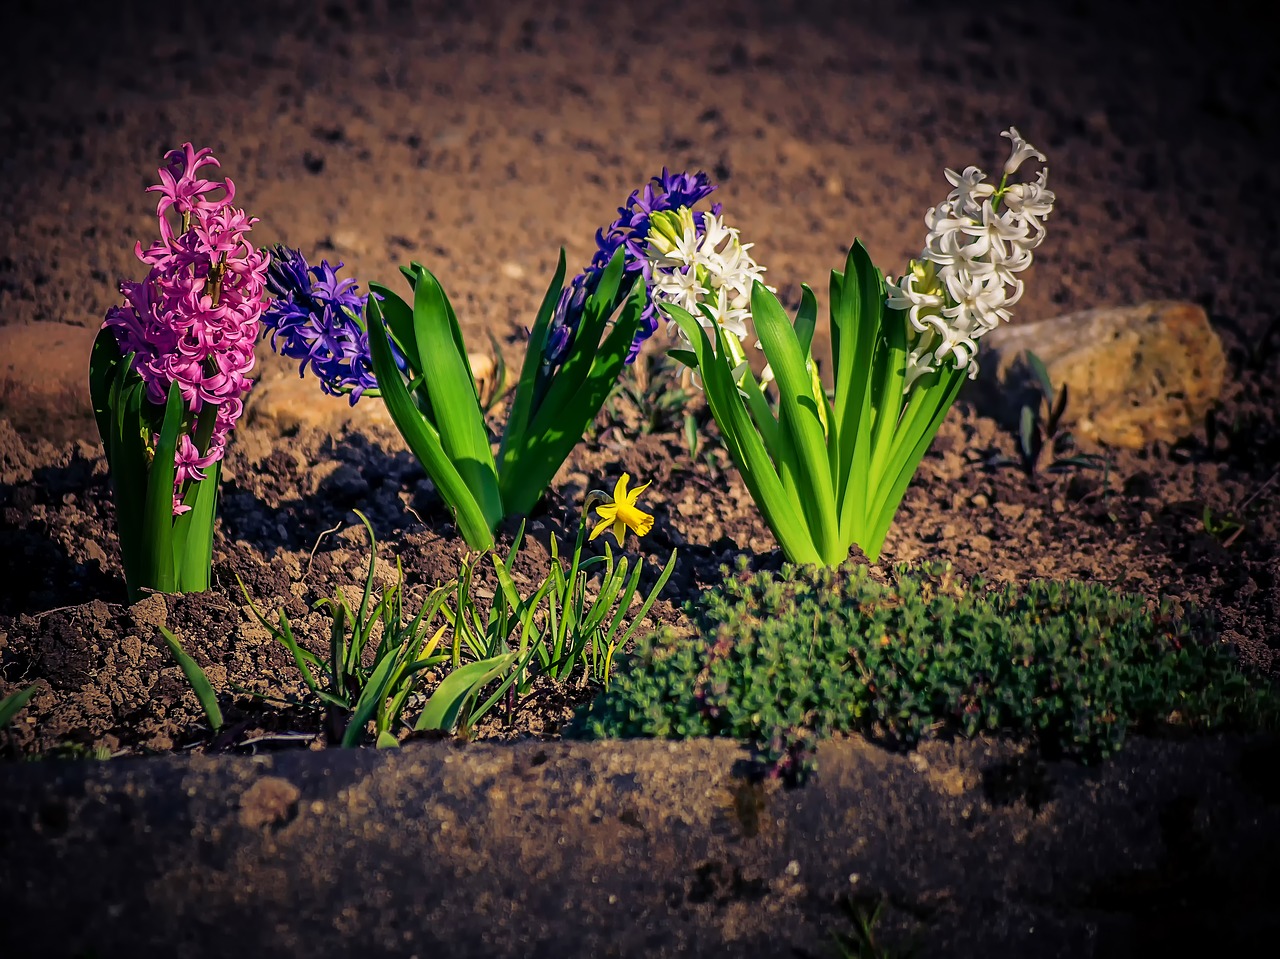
x: 860, y: 321
x: 158, y: 517
x: 104, y: 363
x: 399, y: 319
x: 451, y: 386
x: 558, y: 425
x: 193, y: 532
x: 941, y: 395
x: 441, y: 710
x: 885, y: 422
x: 521, y: 403
x: 1027, y: 433
x: 1042, y: 378
x: 455, y: 330
x: 576, y: 367
x: 806, y: 319
x: 687, y: 357
x: 1056, y: 411
x: 799, y: 419
x: 197, y: 678
x: 127, y: 460
x: 421, y: 438
x: 778, y: 445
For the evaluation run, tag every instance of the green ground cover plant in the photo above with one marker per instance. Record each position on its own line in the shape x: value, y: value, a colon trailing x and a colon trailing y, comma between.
x: 782, y: 660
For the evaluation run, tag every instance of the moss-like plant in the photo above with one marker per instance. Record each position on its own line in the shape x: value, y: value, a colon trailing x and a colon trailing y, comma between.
x: 782, y: 660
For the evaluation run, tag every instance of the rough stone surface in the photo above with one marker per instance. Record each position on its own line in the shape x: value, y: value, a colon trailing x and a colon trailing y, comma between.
x: 642, y: 849
x: 44, y: 379
x: 281, y: 402
x: 1134, y: 374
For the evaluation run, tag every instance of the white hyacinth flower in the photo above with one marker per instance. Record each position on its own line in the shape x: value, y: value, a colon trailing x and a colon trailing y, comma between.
x: 709, y: 267
x: 966, y: 280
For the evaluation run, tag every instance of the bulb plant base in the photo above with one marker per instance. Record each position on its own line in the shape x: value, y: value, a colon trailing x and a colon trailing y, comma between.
x: 161, y: 551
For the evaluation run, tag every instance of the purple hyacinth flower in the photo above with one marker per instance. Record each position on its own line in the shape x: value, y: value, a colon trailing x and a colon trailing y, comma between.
x: 318, y: 319
x: 630, y: 232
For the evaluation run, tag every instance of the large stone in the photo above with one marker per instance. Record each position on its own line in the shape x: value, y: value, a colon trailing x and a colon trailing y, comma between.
x: 1134, y: 375
x: 44, y: 380
x: 282, y: 401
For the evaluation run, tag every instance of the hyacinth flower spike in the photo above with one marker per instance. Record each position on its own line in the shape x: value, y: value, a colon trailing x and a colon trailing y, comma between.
x: 169, y: 372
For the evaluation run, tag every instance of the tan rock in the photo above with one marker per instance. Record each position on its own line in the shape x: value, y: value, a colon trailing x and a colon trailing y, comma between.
x: 44, y: 379
x: 282, y: 401
x: 1134, y: 374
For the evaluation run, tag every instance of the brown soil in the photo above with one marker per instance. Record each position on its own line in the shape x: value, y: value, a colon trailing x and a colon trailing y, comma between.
x: 479, y: 140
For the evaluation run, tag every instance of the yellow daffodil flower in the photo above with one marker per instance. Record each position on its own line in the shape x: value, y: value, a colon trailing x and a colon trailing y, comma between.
x: 620, y: 513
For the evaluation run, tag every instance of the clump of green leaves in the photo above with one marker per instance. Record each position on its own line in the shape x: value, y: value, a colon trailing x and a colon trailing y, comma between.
x: 1040, y: 428
x: 570, y: 625
x: 862, y: 940
x: 349, y: 690
x: 782, y: 660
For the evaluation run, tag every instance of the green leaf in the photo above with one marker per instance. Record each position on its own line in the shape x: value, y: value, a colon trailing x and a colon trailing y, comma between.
x: 104, y: 365
x: 687, y: 357
x: 561, y: 420
x: 800, y: 421
x: 916, y: 442
x: 1058, y: 408
x: 399, y: 320
x: 581, y: 360
x: 1027, y: 434
x: 806, y: 319
x: 127, y: 461
x: 372, y: 696
x: 421, y: 438
x: 862, y: 364
x: 157, y: 529
x: 649, y: 600
x: 451, y: 386
x: 522, y: 402
x: 1042, y: 378
x: 14, y: 703
x: 193, y: 532
x: 197, y: 678
x: 464, y: 683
